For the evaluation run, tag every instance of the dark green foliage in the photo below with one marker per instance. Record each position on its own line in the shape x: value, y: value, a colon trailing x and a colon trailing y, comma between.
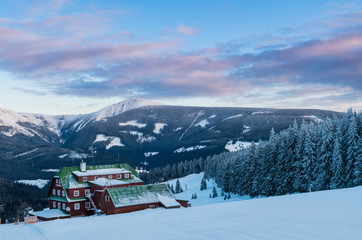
x: 203, y: 184
x: 214, y: 193
x: 178, y: 187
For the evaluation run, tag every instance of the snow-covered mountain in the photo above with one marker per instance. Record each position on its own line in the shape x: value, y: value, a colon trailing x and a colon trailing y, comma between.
x: 62, y: 125
x: 136, y: 131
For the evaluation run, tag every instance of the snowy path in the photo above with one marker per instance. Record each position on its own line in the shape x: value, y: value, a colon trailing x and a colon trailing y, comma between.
x: 326, y: 215
x: 192, y: 124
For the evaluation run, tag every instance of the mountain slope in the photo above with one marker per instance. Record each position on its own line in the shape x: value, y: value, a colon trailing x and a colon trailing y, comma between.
x: 136, y: 131
x: 327, y: 215
x: 161, y: 135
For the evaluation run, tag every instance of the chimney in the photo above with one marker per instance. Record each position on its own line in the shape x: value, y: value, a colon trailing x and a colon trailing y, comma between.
x: 83, y: 166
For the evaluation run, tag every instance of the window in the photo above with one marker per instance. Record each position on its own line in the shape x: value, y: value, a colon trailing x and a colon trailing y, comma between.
x: 95, y: 177
x: 152, y: 206
x: 84, y: 179
x: 109, y: 176
x: 54, y: 204
x: 63, y: 206
x: 59, y: 205
x: 76, y: 206
x: 118, y: 176
x: 54, y: 192
x: 56, y: 181
x: 58, y: 191
x: 76, y: 193
x: 63, y: 193
x: 87, y: 191
x: 126, y: 175
x: 87, y: 205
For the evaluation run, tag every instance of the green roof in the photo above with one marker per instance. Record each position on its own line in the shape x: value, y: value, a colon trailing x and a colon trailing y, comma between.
x: 128, y: 196
x: 66, y: 199
x: 70, y: 182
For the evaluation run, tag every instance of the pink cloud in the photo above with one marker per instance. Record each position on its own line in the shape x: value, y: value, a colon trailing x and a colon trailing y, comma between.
x: 186, y: 30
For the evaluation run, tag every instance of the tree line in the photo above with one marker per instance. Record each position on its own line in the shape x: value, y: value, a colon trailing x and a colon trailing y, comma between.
x: 305, y: 157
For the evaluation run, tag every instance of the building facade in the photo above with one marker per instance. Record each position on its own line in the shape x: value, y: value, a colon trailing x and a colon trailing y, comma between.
x: 108, y: 189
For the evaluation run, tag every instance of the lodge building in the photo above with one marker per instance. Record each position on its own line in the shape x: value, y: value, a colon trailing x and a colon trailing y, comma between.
x: 109, y: 189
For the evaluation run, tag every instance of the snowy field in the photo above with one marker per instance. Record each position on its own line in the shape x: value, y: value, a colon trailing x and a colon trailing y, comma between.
x: 326, y: 215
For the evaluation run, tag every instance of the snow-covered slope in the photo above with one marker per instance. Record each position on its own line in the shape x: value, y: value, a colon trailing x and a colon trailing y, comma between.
x: 60, y: 123
x: 121, y: 107
x: 326, y: 215
x: 191, y: 185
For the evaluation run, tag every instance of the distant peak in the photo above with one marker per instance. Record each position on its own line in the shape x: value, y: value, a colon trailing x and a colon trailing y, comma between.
x: 125, y: 105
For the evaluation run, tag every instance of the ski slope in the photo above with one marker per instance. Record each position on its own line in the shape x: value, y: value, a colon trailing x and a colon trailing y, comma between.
x: 326, y: 215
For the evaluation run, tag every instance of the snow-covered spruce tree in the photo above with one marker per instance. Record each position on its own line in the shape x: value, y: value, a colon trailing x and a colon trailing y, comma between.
x: 352, y: 149
x: 322, y: 172
x: 203, y: 184
x: 172, y: 189
x: 358, y: 165
x: 337, y: 168
x: 178, y: 187
x: 214, y: 192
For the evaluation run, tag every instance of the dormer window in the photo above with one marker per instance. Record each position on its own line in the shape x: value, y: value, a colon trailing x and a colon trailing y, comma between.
x: 57, y: 181
x: 118, y: 176
x: 84, y: 179
x: 76, y: 193
x: 126, y: 175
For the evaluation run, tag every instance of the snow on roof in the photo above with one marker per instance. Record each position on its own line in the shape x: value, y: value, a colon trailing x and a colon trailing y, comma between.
x: 167, y: 201
x: 107, y: 182
x: 101, y: 172
x: 50, y: 213
x: 128, y: 196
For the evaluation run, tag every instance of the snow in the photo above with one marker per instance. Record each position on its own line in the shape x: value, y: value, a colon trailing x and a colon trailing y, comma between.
x: 159, y: 127
x: 202, y: 123
x: 315, y: 118
x: 212, y: 116
x: 50, y: 170
x: 101, y: 172
x: 11, y: 120
x: 113, y: 141
x: 235, y: 116
x: 50, y: 213
x: 246, y: 129
x: 26, y: 153
x: 107, y: 182
x: 149, y: 154
x: 123, y: 106
x: 325, y: 215
x: 238, y: 145
x: 63, y: 156
x: 264, y: 112
x: 192, y: 124
x: 140, y: 137
x: 167, y: 201
x: 75, y: 155
x: 100, y: 138
x: 133, y: 123
x: 177, y: 129
x: 182, y: 149
x: 40, y: 183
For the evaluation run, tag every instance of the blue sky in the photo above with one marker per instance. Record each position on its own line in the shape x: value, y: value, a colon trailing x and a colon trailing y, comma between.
x: 63, y: 56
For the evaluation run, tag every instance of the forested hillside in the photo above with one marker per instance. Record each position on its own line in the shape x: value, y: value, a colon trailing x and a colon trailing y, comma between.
x: 307, y: 157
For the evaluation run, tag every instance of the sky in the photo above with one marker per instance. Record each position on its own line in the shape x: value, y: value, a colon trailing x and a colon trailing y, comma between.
x: 70, y: 57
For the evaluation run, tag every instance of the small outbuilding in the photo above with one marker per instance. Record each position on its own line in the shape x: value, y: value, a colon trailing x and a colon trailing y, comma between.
x: 129, y: 199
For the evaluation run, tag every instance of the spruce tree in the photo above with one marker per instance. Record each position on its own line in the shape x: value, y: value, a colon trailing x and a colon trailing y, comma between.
x: 203, y: 184
x: 214, y: 193
x: 178, y: 187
